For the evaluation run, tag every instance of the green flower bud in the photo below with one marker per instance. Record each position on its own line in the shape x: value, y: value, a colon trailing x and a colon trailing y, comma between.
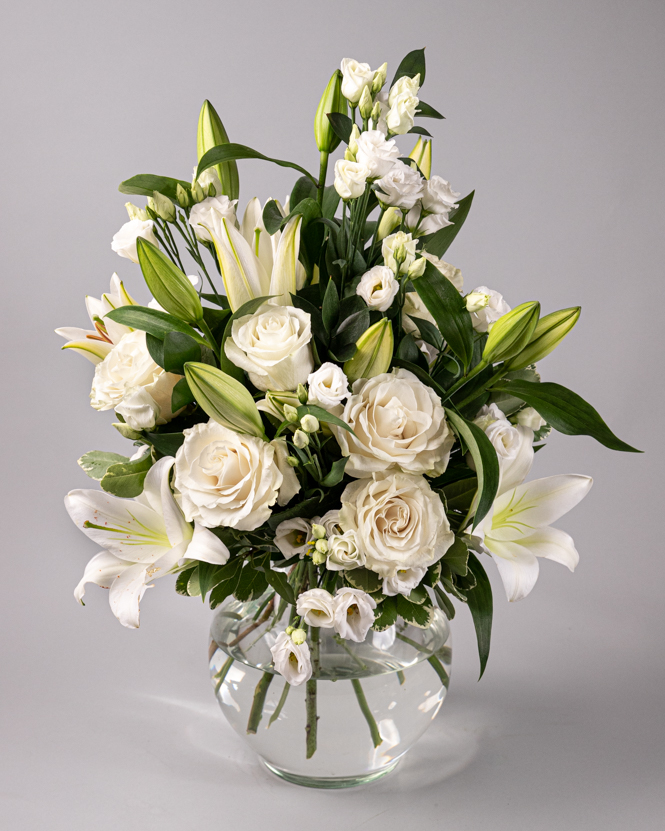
x: 322, y: 546
x: 298, y: 636
x: 126, y: 431
x: 349, y: 156
x: 376, y: 113
x: 278, y: 400
x: 353, y: 140
x: 374, y: 352
x: 417, y: 268
x: 390, y: 220
x: 379, y: 78
x: 225, y: 400
x: 309, y: 423
x: 301, y: 392
x: 548, y: 334
x: 511, y: 333
x: 135, y: 213
x: 300, y: 439
x: 211, y: 133
x: 292, y: 461
x: 168, y: 285
x: 197, y: 192
x: 475, y: 301
x: 332, y: 101
x: 318, y: 531
x: 163, y: 207
x: 318, y: 557
x: 182, y: 196
x: 422, y: 156
x: 212, y: 190
x: 290, y: 413
x: 365, y: 104
x: 289, y: 630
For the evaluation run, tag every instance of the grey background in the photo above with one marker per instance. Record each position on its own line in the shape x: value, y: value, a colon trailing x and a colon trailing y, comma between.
x: 555, y: 115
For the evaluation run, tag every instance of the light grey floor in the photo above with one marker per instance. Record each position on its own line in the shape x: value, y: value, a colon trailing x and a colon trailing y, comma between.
x: 555, y: 115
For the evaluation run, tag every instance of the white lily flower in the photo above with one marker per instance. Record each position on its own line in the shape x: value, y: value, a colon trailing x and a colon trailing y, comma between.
x: 516, y: 532
x: 143, y: 538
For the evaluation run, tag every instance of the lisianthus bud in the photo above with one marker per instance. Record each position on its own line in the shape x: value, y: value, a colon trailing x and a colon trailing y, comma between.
x: 163, y: 207
x: 290, y: 630
x: 475, y: 301
x: 511, y: 333
x: 290, y: 413
x: 548, y: 334
x: 182, y: 196
x: 318, y: 531
x: 197, y: 192
x: 301, y: 392
x: 136, y: 213
x: 309, y: 423
x: 417, y: 268
x: 332, y: 101
x: 353, y: 140
x: 390, y: 220
x: 318, y: 557
x: 300, y: 439
x: 298, y: 636
x: 374, y: 352
x: 366, y: 104
x: 322, y: 546
x: 224, y: 399
x: 292, y: 461
x: 379, y: 78
x: 376, y: 113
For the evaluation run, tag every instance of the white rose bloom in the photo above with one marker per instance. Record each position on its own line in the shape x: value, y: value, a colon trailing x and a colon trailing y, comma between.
x: 124, y: 242
x: 403, y: 85
x: 292, y: 537
x: 354, y: 614
x: 377, y: 154
x: 291, y: 660
x: 528, y: 417
x: 317, y: 607
x: 127, y: 369
x: 272, y: 346
x: 496, y: 307
x: 356, y: 76
x: 401, y: 187
x: 378, y: 288
x: 403, y: 581
x: 438, y: 196
x: 399, y: 521
x: 350, y: 179
x: 224, y: 478
x: 207, y: 216
x: 399, y: 424
x: 513, y: 445
x: 390, y: 244
x: 402, y: 112
x: 449, y: 271
x: 343, y: 552
x: 328, y: 386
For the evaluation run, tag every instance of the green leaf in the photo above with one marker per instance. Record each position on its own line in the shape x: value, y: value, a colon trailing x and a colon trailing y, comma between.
x: 445, y: 603
x: 280, y: 583
x: 459, y: 495
x: 420, y: 131
x: 228, y: 584
x: 457, y: 558
x: 155, y: 347
x: 425, y: 111
x: 342, y: 126
x: 336, y: 474
x: 330, y: 306
x: 153, y: 321
x: 217, y: 299
x: 126, y: 479
x: 181, y: 395
x: 408, y: 351
x: 386, y: 615
x: 308, y: 508
x: 481, y: 607
x: 412, y: 65
x: 324, y: 416
x: 448, y: 309
x: 363, y: 578
x: 182, y: 581
x: 441, y: 241
x: 304, y: 188
x: 440, y: 670
x: 272, y: 217
x: 208, y: 577
x: 145, y: 184
x: 178, y: 350
x: 252, y: 583
x: 167, y: 444
x: 231, y: 152
x: 418, y: 595
x: 485, y: 459
x: 97, y: 462
x: 428, y: 332
x: 330, y: 202
x: 420, y: 616
x: 566, y: 411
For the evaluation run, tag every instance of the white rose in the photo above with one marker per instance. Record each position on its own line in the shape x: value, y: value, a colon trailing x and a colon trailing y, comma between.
x: 438, y: 196
x: 207, y: 216
x: 496, y: 307
x: 354, y: 614
x: 513, y: 445
x: 389, y: 245
x: 272, y: 346
x: 224, y: 478
x: 139, y: 409
x: 356, y: 76
x: 377, y: 154
x: 449, y: 271
x: 528, y: 417
x: 403, y: 85
x: 124, y: 242
x: 378, y: 287
x: 399, y: 424
x: 328, y: 386
x: 343, y: 552
x: 401, y: 187
x: 292, y: 537
x: 291, y: 660
x: 399, y: 521
x: 127, y: 368
x: 402, y: 112
x: 403, y: 581
x: 350, y: 179
x: 317, y: 607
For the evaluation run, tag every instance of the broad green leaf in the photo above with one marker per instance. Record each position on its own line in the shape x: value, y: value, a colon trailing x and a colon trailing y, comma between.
x: 227, y: 585
x: 280, y: 583
x: 480, y: 604
x: 97, y: 462
x: 304, y: 188
x: 386, y: 615
x: 178, y: 350
x: 413, y: 64
x: 330, y: 306
x: 232, y: 152
x: 459, y: 495
x: 330, y: 202
x: 457, y: 558
x: 342, y: 125
x: 445, y: 603
x: 418, y: 595
x: 336, y: 474
x: 182, y: 581
x: 441, y: 241
x: 420, y: 131
x: 126, y: 479
x: 167, y: 444
x: 425, y: 111
x: 252, y: 583
x: 145, y: 184
x: 155, y: 347
x: 363, y: 578
x: 153, y: 321
x: 324, y: 416
x: 181, y: 395
x: 408, y: 351
x: 420, y: 616
x: 209, y: 576
x: 428, y: 332
x: 272, y: 217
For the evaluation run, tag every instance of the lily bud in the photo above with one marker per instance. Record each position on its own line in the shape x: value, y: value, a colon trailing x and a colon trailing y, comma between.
x: 168, y: 285
x: 379, y: 78
x: 290, y: 414
x: 135, y: 213
x: 300, y: 439
x: 511, y: 333
x: 301, y: 392
x: 318, y: 532
x: 548, y: 334
x: 353, y: 139
x: 225, y: 400
x: 298, y: 636
x: 197, y: 192
x: 332, y: 101
x: 163, y: 207
x: 309, y: 423
x: 211, y: 133
x: 475, y: 301
x: 182, y: 196
x: 390, y: 220
x: 365, y: 104
x: 426, y: 160
x: 374, y: 352
x: 417, y: 268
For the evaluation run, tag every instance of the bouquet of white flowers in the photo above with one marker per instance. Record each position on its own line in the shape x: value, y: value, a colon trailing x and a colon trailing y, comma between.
x: 341, y: 429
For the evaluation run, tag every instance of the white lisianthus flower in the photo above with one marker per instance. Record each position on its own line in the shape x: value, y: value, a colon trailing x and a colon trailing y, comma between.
x: 224, y: 478
x: 400, y: 187
x: 389, y: 245
x: 496, y: 307
x: 448, y: 270
x: 403, y: 581
x: 475, y: 301
x: 291, y: 660
x: 124, y: 242
x: 384, y: 108
x: 356, y: 76
x: 127, y: 377
x: 207, y: 178
x: 328, y: 386
x: 404, y: 85
x: 330, y: 521
x: 428, y: 224
x: 399, y: 521
x: 350, y: 179
x: 292, y: 537
x: 377, y: 154
x: 317, y: 607
x: 513, y: 445
x: 528, y: 417
x: 398, y: 423
x: 378, y: 287
x: 401, y: 114
x: 438, y: 196
x: 206, y: 217
x: 343, y: 552
x: 354, y: 614
x: 272, y: 346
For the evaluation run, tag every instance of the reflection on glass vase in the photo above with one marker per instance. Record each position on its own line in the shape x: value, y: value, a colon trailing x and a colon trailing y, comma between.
x: 372, y: 701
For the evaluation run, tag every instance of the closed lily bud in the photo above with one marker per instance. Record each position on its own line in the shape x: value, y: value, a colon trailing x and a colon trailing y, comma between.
x: 135, y: 213
x: 211, y: 133
x: 390, y: 220
x: 548, y: 334
x: 182, y: 196
x: 163, y: 207
x: 365, y: 105
x: 417, y: 268
x: 298, y: 636
x: 475, y: 301
x: 290, y: 414
x: 332, y: 101
x: 379, y: 78
x: 374, y: 352
x: 168, y: 285
x: 225, y: 400
x: 318, y: 531
x: 422, y: 156
x: 309, y: 423
x: 511, y: 333
x: 300, y: 439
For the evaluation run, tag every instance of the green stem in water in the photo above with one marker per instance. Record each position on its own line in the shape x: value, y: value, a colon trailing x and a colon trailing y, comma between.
x: 221, y: 675
x: 280, y: 704
x: 369, y: 718
x: 260, y: 694
x: 400, y: 677
x: 440, y: 671
x: 310, y: 696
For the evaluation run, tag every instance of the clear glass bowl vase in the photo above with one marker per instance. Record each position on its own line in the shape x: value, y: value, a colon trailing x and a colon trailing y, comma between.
x: 373, y: 699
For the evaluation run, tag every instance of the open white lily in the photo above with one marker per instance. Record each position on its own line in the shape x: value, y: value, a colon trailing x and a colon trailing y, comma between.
x: 143, y: 538
x: 516, y: 532
x: 95, y: 344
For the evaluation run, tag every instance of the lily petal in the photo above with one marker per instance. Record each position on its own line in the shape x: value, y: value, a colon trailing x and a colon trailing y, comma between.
x: 518, y: 568
x: 102, y: 570
x: 157, y: 491
x: 283, y: 278
x: 92, y: 349
x: 515, y: 473
x: 243, y: 275
x: 207, y: 547
x: 553, y: 544
x: 125, y: 594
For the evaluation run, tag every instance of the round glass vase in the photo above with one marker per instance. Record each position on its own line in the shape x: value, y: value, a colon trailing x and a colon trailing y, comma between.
x: 358, y: 716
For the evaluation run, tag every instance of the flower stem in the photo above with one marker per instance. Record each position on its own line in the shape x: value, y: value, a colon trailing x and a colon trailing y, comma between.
x: 281, y: 703
x: 260, y: 694
x: 369, y: 718
x: 221, y: 675
x: 203, y: 326
x: 323, y: 170
x: 440, y: 671
x: 310, y: 697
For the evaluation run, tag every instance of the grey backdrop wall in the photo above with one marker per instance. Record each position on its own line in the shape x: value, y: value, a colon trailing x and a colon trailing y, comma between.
x: 555, y: 115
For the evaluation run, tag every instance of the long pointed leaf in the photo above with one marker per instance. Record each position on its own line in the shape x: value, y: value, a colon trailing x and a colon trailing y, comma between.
x: 231, y: 152
x: 145, y: 184
x: 481, y: 606
x: 441, y: 241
